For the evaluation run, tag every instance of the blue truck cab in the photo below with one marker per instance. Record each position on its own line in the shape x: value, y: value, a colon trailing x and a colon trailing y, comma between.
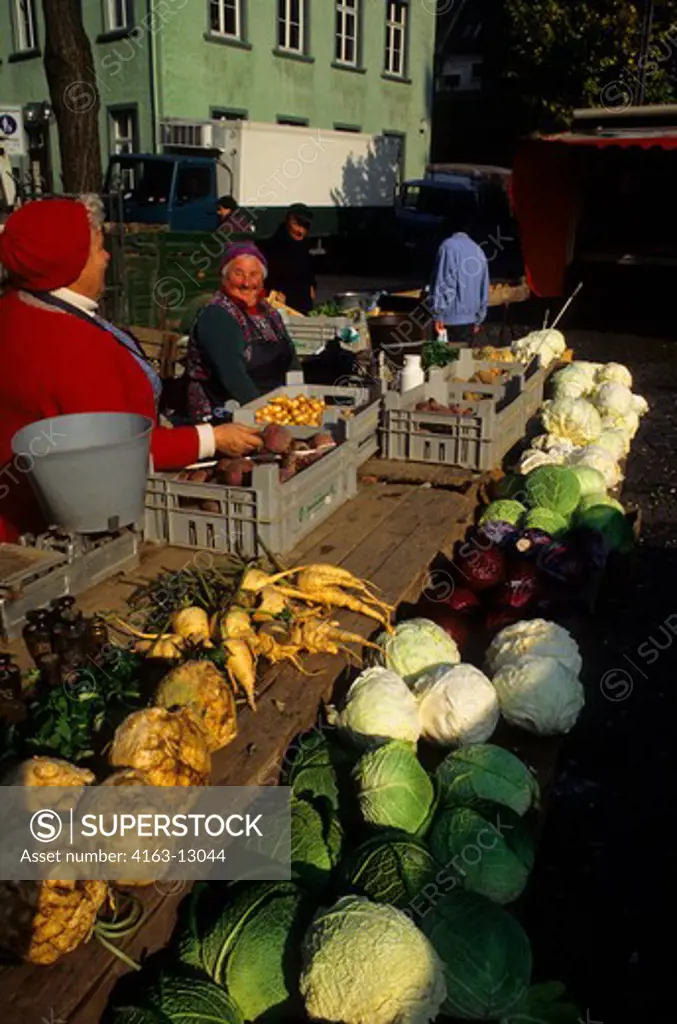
x: 174, y: 191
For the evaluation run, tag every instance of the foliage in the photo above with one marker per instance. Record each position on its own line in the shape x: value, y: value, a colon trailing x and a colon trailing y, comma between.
x: 67, y: 720
x: 557, y: 55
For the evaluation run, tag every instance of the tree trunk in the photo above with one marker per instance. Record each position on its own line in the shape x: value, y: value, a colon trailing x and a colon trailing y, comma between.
x: 69, y: 67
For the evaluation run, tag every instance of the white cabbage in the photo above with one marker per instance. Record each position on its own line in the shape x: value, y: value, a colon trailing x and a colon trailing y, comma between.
x: 533, y: 459
x: 615, y: 442
x: 574, y: 381
x: 640, y: 406
x: 534, y: 638
x: 553, y: 443
x: 458, y: 706
x: 613, y: 400
x: 379, y: 707
x: 614, y: 373
x: 539, y: 695
x: 548, y: 345
x: 574, y: 419
x: 416, y: 646
x: 602, y: 460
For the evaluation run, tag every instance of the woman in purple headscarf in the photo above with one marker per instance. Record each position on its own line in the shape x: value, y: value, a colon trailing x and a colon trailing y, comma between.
x: 239, y: 347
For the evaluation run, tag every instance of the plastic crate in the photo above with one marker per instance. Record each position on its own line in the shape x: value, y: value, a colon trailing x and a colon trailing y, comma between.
x: 311, y: 333
x: 478, y: 441
x: 359, y: 408
x: 525, y: 378
x: 280, y: 514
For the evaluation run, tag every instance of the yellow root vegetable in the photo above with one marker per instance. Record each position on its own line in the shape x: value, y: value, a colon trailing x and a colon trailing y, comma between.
x: 272, y: 604
x: 241, y: 669
x: 317, y: 578
x: 236, y: 625
x: 254, y: 581
x: 275, y: 652
x: 332, y: 575
x: 193, y: 624
x: 168, y: 646
x: 334, y: 597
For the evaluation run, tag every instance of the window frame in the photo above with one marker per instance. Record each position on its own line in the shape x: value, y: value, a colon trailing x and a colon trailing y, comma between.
x: 230, y: 114
x: 109, y: 25
x: 25, y: 43
x: 284, y: 21
x: 342, y: 10
x: 132, y: 111
x: 220, y: 33
x: 402, y: 27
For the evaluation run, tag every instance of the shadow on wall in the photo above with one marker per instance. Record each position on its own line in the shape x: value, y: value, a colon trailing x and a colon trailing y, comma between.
x: 368, y: 180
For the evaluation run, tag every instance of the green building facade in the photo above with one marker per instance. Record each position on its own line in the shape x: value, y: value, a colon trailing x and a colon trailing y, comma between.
x: 172, y: 65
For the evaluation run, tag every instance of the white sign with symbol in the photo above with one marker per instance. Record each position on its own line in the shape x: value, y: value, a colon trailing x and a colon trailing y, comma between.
x: 12, y: 136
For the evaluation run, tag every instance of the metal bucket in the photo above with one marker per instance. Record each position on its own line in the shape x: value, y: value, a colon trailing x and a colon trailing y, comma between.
x: 398, y: 335
x: 88, y: 470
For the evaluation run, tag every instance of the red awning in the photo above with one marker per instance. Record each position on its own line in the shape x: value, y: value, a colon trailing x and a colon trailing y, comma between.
x: 624, y: 140
x: 547, y: 187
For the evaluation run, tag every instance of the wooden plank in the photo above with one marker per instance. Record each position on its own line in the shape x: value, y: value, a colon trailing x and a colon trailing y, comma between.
x: 396, y: 472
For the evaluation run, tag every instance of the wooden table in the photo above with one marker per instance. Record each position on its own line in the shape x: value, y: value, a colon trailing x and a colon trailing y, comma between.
x: 390, y: 533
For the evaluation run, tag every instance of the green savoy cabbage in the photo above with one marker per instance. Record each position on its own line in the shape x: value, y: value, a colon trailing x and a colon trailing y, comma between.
x: 246, y: 937
x: 612, y: 524
x: 554, y: 487
x: 169, y: 997
x: 316, y: 841
x: 491, y: 852
x: 484, y: 772
x: 394, y: 790
x: 392, y: 868
x: 316, y: 767
x: 416, y: 646
x: 485, y: 952
x: 547, y: 520
x: 504, y: 510
x: 368, y: 963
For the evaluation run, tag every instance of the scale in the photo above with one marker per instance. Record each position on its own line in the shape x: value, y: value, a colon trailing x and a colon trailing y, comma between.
x: 41, y: 568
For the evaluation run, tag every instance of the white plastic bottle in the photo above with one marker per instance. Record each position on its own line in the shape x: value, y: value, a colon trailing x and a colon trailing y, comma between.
x: 412, y: 374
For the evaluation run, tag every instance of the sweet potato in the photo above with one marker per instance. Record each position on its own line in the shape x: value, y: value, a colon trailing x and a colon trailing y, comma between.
x: 234, y: 472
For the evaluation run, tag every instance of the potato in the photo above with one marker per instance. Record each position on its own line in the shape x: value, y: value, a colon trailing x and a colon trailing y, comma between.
x: 320, y: 440
x: 277, y: 438
x: 234, y: 472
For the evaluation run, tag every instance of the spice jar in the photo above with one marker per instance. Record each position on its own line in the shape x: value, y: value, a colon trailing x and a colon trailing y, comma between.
x: 62, y: 606
x: 97, y: 636
x: 37, y: 634
x: 10, y: 679
x: 70, y: 641
x: 50, y: 670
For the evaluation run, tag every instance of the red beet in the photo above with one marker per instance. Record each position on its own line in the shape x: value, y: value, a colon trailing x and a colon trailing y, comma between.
x: 498, y: 620
x: 233, y: 472
x: 277, y: 438
x: 480, y: 568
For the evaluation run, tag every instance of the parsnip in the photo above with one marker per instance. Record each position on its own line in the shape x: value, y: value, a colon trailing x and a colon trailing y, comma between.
x: 193, y: 624
x: 241, y: 669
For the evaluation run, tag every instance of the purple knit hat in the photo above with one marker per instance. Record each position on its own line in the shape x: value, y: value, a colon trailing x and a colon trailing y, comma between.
x: 236, y: 249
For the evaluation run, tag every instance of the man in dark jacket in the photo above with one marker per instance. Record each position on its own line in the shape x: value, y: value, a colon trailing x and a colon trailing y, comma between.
x: 290, y: 265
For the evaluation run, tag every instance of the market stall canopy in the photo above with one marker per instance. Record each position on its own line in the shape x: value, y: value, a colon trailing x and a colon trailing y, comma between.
x: 549, y: 176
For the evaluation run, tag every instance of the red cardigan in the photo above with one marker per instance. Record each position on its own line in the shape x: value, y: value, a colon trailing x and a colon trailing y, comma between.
x: 52, y: 364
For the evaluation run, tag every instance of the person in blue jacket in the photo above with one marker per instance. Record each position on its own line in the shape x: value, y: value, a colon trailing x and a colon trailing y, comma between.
x: 459, y: 289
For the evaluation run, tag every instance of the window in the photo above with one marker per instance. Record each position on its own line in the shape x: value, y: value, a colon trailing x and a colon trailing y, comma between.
x: 396, y: 37
x: 118, y: 15
x: 296, y: 122
x: 291, y: 25
x: 347, y: 32
x: 26, y: 37
x: 123, y: 130
x: 225, y: 18
x: 193, y: 183
x: 221, y: 114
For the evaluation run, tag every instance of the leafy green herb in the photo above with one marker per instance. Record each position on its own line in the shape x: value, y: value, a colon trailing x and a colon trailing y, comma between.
x: 437, y: 353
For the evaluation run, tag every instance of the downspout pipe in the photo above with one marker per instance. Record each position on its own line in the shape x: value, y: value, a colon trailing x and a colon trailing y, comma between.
x: 152, y: 73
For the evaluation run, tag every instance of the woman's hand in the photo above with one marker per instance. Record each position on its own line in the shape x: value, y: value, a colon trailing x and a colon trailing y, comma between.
x: 236, y: 439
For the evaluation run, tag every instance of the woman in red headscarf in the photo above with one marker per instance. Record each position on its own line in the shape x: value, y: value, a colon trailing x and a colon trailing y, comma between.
x: 57, y: 356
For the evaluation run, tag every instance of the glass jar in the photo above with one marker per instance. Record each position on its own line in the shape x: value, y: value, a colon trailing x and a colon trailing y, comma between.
x: 50, y: 670
x: 10, y: 679
x: 37, y: 635
x: 97, y: 636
